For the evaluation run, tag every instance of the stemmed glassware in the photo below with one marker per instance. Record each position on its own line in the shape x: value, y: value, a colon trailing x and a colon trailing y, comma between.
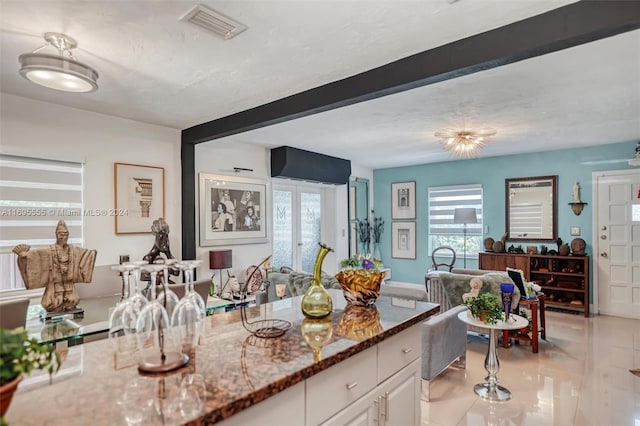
x: 188, y: 317
x: 155, y: 339
x: 116, y: 325
x: 167, y: 297
x: 134, y: 304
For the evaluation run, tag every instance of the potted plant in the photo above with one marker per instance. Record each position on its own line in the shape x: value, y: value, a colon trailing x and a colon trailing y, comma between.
x: 21, y: 355
x: 487, y: 307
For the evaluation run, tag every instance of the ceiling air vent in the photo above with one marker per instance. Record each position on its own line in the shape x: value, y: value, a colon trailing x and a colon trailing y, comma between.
x: 213, y: 21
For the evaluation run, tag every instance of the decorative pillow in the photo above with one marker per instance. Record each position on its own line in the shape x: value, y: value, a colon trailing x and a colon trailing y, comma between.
x: 518, y: 279
x: 299, y: 282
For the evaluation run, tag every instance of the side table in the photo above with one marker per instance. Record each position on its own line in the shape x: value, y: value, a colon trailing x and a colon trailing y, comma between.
x: 490, y: 390
x: 538, y: 324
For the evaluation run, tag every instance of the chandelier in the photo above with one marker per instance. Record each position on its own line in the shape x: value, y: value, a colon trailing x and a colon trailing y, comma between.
x: 58, y: 72
x: 464, y: 143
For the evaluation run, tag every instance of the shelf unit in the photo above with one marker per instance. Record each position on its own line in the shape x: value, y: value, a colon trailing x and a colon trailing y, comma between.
x: 564, y: 279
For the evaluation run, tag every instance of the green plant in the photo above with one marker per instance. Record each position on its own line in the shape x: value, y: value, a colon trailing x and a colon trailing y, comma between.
x: 487, y: 305
x: 20, y: 355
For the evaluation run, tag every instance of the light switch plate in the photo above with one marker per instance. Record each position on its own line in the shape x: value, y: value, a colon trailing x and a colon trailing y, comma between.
x: 575, y: 231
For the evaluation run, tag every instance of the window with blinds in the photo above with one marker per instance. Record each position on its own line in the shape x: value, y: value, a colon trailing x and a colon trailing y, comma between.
x: 34, y: 195
x: 442, y: 229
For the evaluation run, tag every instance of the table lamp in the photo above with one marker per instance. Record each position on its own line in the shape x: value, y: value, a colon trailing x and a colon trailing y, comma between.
x: 220, y: 259
x: 465, y: 215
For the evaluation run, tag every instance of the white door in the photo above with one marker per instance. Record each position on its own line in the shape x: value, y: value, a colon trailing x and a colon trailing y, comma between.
x: 617, y: 242
x: 297, y: 226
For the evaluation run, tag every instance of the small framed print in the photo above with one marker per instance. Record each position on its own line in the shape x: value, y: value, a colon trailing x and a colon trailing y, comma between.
x: 575, y: 231
x: 403, y: 200
x: 139, y: 191
x: 403, y: 240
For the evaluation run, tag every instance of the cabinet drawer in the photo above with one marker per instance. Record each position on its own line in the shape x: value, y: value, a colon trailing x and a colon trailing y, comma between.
x: 333, y: 389
x: 398, y: 351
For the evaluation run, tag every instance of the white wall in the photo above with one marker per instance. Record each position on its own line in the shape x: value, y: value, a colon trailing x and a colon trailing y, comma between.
x: 44, y: 130
x: 219, y: 157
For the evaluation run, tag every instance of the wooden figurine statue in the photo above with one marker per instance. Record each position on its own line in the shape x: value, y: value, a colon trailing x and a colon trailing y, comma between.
x: 58, y: 268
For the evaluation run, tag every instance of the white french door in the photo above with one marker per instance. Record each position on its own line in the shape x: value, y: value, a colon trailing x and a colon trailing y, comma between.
x: 297, y: 225
x: 616, y: 244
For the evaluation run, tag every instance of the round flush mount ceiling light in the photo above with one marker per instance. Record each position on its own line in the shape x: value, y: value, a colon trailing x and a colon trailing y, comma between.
x: 464, y: 143
x: 58, y: 72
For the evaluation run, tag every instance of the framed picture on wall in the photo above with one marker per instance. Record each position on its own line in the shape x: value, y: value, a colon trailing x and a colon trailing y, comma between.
x: 403, y: 240
x: 233, y: 210
x: 139, y: 197
x: 403, y: 200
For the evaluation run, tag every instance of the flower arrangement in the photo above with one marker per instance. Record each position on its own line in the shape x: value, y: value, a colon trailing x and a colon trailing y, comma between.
x: 364, y: 231
x: 377, y: 229
x: 360, y: 262
x: 486, y: 307
x: 20, y: 355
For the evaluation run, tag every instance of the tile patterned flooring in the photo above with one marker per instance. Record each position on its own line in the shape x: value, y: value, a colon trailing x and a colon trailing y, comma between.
x: 580, y: 376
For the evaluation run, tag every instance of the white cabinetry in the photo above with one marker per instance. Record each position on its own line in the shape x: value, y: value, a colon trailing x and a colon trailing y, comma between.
x: 395, y: 398
x: 379, y: 386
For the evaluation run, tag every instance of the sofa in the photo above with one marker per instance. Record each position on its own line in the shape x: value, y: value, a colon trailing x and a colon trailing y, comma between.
x: 447, y: 288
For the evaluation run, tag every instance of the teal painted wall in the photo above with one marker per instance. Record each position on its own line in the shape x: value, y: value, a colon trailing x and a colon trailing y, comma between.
x: 570, y: 165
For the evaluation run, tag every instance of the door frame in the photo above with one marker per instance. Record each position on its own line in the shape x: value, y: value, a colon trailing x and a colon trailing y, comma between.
x: 595, y: 265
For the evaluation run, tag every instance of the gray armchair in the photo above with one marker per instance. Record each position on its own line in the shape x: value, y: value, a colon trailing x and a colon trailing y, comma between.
x: 444, y: 343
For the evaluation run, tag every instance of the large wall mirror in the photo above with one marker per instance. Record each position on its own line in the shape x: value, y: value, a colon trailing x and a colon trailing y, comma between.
x: 532, y: 208
x: 358, y: 209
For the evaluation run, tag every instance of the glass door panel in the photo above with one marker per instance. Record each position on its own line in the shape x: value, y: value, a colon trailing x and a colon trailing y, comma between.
x: 310, y: 228
x: 282, y: 228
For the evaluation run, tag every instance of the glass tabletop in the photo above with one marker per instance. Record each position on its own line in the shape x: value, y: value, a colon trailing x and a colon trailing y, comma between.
x: 96, y: 318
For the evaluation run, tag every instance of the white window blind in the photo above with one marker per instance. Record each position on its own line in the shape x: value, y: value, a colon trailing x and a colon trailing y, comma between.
x: 34, y: 195
x: 443, y: 201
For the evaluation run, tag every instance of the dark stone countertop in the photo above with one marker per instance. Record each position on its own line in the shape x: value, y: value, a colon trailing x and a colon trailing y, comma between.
x: 232, y: 370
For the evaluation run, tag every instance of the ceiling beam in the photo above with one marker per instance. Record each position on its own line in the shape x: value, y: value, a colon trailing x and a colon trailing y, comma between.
x: 561, y: 28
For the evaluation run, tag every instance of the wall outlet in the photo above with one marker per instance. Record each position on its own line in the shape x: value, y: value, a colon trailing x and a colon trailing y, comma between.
x: 575, y: 231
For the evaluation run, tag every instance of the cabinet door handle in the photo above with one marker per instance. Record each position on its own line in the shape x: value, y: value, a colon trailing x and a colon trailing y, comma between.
x: 375, y: 402
x: 351, y: 385
x: 386, y: 406
x: 406, y: 350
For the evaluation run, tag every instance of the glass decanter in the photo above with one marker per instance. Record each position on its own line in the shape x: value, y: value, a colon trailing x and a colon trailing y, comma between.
x: 317, y: 302
x: 158, y: 348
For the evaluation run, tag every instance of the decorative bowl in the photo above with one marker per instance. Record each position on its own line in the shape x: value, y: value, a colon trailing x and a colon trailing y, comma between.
x: 359, y: 322
x: 361, y: 287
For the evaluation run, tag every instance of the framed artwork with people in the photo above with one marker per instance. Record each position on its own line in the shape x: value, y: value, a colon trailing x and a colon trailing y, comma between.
x: 232, y: 210
x: 403, y: 200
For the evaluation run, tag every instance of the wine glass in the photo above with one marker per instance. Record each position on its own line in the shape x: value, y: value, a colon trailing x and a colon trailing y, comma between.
x: 188, y: 317
x: 167, y: 297
x: 116, y: 323
x: 155, y: 340
x: 135, y: 303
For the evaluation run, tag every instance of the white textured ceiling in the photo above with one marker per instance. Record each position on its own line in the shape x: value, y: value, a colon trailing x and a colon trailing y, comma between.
x: 156, y: 69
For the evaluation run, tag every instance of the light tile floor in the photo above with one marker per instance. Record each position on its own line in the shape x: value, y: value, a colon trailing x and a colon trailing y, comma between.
x: 580, y: 376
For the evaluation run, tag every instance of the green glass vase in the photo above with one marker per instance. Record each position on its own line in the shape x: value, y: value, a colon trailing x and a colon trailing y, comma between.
x: 316, y: 302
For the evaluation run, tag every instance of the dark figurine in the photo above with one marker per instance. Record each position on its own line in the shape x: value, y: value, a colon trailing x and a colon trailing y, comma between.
x: 160, y: 249
x: 543, y: 249
x: 559, y: 243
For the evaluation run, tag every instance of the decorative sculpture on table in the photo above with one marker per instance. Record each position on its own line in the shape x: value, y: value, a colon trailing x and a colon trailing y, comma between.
x: 58, y: 268
x: 476, y: 285
x: 160, y: 249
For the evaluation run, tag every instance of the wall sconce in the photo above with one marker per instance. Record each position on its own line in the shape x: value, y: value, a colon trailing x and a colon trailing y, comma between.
x: 577, y: 207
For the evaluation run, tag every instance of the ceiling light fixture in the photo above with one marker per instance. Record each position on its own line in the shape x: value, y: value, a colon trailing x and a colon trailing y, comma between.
x: 57, y: 71
x: 464, y: 143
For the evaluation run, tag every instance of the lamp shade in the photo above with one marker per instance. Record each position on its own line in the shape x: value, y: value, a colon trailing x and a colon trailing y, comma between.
x: 465, y: 215
x: 219, y: 259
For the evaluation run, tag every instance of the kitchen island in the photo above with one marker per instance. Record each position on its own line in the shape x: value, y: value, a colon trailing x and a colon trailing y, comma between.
x: 344, y: 367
